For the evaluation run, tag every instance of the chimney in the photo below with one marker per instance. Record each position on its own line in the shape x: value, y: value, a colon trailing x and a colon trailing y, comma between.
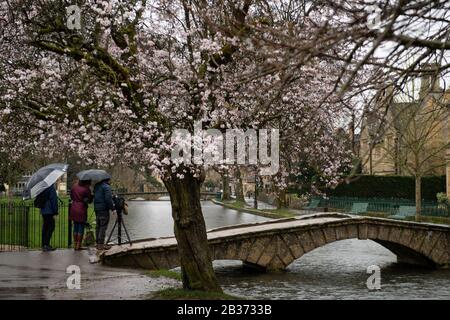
x: 429, y: 81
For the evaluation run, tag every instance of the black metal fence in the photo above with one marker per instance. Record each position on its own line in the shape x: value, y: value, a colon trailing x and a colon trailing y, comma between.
x: 382, y: 206
x: 21, y: 226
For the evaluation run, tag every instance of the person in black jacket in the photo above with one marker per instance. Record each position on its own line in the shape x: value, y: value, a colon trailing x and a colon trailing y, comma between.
x: 48, y: 212
x: 103, y: 204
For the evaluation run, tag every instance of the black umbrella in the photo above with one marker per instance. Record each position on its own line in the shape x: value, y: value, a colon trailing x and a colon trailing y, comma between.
x: 93, y: 175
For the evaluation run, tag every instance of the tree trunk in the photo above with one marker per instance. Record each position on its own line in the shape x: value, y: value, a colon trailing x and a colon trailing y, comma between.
x: 418, y: 180
x: 255, y: 202
x: 239, y: 187
x: 226, y: 187
x: 190, y: 231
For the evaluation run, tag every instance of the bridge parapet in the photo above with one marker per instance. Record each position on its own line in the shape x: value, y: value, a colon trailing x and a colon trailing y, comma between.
x: 273, y: 245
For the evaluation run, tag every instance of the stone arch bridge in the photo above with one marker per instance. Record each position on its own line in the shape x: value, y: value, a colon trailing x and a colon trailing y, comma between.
x: 273, y: 245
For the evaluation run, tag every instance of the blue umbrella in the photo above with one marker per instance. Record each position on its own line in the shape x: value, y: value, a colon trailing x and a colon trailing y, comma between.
x: 44, y: 178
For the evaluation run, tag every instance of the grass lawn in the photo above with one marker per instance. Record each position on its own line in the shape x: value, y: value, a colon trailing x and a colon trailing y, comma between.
x: 431, y: 219
x: 376, y: 214
x: 282, y: 213
x: 164, y: 273
x: 269, y: 213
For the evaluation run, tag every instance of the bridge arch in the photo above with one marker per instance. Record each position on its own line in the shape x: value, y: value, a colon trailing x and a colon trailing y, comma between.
x: 277, y: 251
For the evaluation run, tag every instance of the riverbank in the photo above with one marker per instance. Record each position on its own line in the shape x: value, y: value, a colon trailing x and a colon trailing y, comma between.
x: 267, y: 213
x: 289, y: 213
x: 180, y: 294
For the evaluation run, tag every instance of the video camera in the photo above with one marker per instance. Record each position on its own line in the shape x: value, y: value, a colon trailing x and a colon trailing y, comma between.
x: 120, y: 205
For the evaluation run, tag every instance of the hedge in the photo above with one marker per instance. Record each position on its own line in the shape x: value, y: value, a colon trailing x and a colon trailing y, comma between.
x: 369, y: 186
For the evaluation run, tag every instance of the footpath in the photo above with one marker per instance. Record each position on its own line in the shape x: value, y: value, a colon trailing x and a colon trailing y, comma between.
x: 44, y: 275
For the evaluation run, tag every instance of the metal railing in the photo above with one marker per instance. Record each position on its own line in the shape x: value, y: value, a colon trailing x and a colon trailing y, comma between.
x: 21, y: 226
x: 382, y: 206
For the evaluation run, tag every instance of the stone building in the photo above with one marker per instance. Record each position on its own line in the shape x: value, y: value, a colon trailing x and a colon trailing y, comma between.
x: 402, y: 134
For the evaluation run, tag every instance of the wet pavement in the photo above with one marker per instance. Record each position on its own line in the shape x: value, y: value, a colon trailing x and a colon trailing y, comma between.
x: 43, y: 275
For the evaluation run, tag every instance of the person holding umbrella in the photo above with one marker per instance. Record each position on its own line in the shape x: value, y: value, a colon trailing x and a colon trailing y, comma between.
x: 48, y: 212
x: 41, y: 186
x: 103, y: 203
x: 81, y: 196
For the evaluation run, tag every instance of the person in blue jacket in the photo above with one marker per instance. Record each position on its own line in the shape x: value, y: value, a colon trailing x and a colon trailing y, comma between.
x: 48, y: 212
x: 103, y: 204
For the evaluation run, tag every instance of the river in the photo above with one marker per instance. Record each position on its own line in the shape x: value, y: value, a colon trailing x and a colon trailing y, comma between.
x: 335, y: 271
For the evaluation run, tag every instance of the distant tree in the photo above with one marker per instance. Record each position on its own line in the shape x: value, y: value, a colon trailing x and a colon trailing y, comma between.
x: 11, y: 169
x: 239, y: 186
x: 154, y: 182
x: 209, y: 184
x: 421, y: 138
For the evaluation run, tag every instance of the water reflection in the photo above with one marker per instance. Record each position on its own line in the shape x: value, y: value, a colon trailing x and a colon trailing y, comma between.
x: 153, y: 219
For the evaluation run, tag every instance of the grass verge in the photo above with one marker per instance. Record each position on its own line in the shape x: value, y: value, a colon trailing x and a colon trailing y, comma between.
x: 164, y: 273
x: 180, y: 294
x: 429, y: 219
x: 268, y: 213
x: 376, y: 214
x: 437, y: 220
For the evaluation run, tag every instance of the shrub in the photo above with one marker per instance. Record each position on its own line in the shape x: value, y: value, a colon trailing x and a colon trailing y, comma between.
x: 442, y: 198
x: 403, y: 187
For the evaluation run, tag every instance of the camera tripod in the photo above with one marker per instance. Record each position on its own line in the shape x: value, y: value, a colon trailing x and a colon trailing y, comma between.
x: 119, y: 223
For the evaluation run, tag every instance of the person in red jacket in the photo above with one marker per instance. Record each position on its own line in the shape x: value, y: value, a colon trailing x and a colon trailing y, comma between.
x: 81, y: 196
